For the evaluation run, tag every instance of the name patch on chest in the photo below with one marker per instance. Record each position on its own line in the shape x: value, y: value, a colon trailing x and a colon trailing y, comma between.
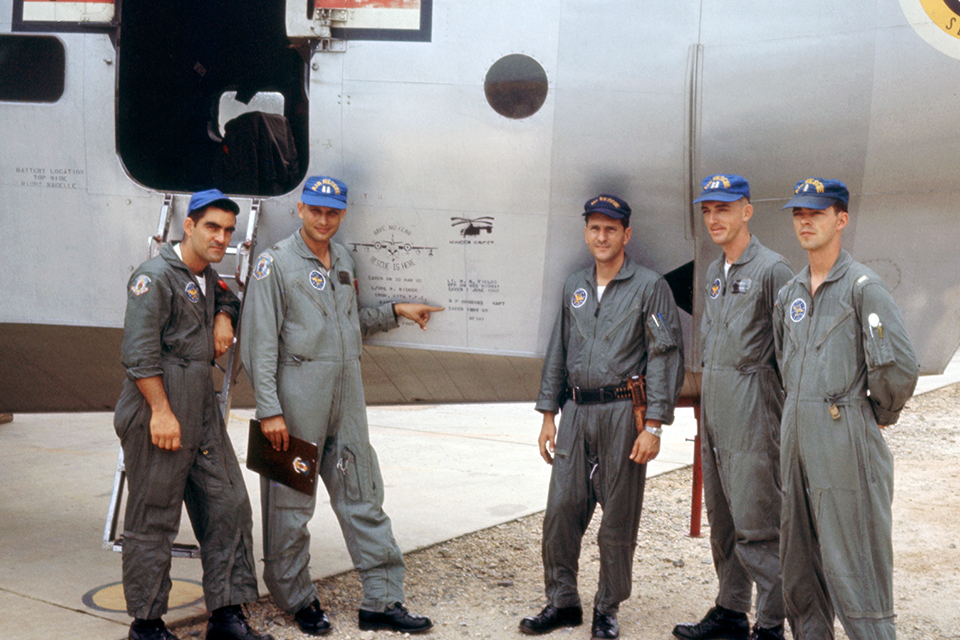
x: 579, y: 298
x: 193, y: 292
x: 741, y: 286
x: 715, y: 289
x: 798, y: 309
x: 318, y: 280
x: 344, y: 277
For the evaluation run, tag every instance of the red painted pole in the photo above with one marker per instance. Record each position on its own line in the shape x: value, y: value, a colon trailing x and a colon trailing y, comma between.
x: 696, y: 502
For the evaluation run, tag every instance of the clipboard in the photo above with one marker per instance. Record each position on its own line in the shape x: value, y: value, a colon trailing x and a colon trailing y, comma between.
x: 296, y: 467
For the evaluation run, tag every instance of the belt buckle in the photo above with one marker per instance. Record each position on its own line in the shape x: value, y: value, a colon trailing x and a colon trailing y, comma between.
x: 577, y: 396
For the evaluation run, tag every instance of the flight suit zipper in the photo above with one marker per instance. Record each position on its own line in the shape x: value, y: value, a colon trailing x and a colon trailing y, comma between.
x: 338, y: 320
x: 593, y: 337
x: 813, y: 320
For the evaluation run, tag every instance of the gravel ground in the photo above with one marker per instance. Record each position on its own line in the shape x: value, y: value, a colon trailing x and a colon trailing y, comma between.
x: 480, y: 585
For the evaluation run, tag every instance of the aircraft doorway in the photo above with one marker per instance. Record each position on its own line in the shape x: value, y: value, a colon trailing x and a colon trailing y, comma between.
x: 177, y: 61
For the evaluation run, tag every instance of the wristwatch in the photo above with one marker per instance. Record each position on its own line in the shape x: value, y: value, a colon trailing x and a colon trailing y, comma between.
x: 657, y: 431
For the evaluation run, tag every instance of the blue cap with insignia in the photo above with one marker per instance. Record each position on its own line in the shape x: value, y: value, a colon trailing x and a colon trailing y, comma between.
x: 209, y: 197
x: 724, y: 188
x: 321, y: 191
x: 817, y: 193
x: 608, y: 205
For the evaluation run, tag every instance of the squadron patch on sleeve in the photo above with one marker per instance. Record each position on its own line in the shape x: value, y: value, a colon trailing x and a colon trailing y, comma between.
x: 263, y: 267
x: 318, y: 281
x: 798, y: 310
x: 715, y: 289
x: 141, y: 285
x: 579, y: 298
x: 193, y: 292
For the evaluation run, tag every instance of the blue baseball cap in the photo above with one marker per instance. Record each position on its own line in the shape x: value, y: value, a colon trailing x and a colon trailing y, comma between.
x: 817, y: 193
x: 608, y: 205
x: 724, y: 188
x: 202, y: 199
x: 321, y: 191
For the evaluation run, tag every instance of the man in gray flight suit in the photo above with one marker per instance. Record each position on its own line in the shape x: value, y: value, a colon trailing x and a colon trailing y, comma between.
x: 741, y: 403
x: 301, y: 347
x: 618, y: 319
x: 175, y: 445
x: 848, y: 369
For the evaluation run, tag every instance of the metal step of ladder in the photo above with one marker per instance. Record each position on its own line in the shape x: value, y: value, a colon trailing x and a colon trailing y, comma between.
x: 244, y: 254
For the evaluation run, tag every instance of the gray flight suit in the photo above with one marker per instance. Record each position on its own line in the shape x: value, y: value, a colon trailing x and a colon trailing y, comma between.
x: 301, y: 346
x: 168, y: 332
x: 741, y: 401
x: 835, y: 546
x: 634, y: 330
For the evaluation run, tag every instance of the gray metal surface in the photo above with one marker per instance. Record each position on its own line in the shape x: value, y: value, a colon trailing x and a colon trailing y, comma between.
x: 644, y: 99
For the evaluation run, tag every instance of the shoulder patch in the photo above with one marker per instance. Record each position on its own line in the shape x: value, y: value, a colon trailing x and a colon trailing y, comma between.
x: 193, y: 292
x: 263, y: 266
x: 798, y: 310
x: 141, y: 285
x: 579, y: 298
x: 317, y: 280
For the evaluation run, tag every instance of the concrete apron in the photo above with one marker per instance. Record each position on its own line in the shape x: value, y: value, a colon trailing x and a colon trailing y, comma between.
x: 449, y: 470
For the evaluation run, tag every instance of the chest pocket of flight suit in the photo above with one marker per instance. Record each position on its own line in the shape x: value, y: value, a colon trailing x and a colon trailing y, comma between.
x: 741, y: 303
x: 185, y: 334
x: 312, y: 295
x: 740, y: 325
x: 579, y: 334
x: 839, y: 338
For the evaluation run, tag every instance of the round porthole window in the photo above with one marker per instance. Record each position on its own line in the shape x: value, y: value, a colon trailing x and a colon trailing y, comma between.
x: 516, y: 86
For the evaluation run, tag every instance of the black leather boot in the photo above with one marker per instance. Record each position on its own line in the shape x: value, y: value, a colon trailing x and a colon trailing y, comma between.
x: 718, y: 624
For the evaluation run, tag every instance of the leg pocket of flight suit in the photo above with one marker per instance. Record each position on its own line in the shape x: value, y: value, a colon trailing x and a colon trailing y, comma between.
x: 352, y: 476
x: 167, y: 476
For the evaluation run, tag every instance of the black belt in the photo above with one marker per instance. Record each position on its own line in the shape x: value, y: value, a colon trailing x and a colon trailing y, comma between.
x: 603, y: 395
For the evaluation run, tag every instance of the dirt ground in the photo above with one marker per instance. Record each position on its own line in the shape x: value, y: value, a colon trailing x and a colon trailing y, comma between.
x: 480, y: 585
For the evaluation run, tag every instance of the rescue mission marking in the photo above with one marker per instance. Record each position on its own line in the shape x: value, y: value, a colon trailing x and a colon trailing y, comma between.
x: 392, y: 254
x: 475, y: 297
